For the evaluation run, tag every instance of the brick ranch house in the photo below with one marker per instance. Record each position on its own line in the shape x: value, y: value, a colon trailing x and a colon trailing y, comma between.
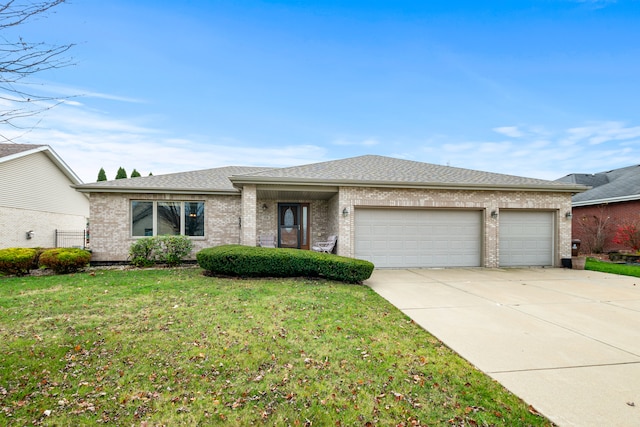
x: 395, y: 213
x: 613, y: 200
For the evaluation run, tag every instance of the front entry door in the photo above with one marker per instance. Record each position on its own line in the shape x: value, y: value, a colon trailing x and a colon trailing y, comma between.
x: 293, y: 225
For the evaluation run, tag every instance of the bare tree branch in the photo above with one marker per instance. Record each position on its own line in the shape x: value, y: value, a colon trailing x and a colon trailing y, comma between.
x: 21, y: 59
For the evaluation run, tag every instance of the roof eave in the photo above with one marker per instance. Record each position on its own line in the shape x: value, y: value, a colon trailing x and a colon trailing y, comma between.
x: 629, y: 198
x: 569, y: 188
x: 146, y: 190
x: 52, y: 155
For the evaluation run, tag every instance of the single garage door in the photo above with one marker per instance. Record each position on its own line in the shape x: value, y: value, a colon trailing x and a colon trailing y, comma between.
x: 395, y: 237
x: 526, y: 238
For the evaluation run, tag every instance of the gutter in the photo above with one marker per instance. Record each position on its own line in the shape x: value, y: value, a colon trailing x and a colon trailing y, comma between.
x: 569, y: 188
x: 146, y: 190
x: 618, y: 199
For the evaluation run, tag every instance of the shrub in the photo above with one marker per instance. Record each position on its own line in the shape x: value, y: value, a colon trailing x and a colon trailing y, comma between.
x: 247, y: 261
x: 170, y: 250
x: 17, y: 261
x: 629, y: 236
x: 65, y: 260
x: 143, y: 252
x: 173, y: 249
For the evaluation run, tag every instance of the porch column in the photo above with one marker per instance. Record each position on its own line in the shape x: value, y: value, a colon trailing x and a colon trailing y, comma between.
x: 491, y: 237
x: 248, y: 233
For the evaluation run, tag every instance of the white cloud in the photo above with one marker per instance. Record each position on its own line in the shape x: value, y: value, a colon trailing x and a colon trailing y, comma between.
x: 542, y: 153
x: 511, y: 131
x: 89, y: 140
x: 599, y: 133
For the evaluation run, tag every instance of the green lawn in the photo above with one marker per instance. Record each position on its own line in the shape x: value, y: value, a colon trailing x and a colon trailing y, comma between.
x: 173, y: 347
x: 609, y: 267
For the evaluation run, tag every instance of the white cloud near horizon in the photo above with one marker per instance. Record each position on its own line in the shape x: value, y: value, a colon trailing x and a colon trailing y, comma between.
x: 88, y: 140
x: 542, y: 153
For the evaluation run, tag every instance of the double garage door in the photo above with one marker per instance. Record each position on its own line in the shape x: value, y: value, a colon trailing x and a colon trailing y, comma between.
x: 404, y: 238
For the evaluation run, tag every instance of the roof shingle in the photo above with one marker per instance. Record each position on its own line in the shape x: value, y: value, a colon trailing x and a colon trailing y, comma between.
x: 363, y: 170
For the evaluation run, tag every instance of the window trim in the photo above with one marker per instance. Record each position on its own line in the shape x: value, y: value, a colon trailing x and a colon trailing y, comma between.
x: 154, y: 217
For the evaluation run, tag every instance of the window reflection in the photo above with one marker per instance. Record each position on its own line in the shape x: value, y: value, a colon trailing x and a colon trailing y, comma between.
x: 194, y: 218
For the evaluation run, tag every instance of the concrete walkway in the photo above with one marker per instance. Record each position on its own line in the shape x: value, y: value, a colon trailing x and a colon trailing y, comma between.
x: 565, y: 341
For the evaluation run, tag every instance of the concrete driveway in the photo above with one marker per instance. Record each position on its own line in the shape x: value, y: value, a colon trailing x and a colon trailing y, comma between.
x: 565, y: 341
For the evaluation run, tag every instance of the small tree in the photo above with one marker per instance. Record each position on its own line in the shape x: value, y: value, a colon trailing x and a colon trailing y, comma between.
x: 102, y: 175
x: 135, y: 174
x: 595, y: 230
x: 122, y: 174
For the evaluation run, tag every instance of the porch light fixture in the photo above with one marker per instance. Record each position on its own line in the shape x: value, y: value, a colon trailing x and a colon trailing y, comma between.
x: 568, y: 215
x: 264, y: 207
x: 494, y: 214
x: 345, y: 212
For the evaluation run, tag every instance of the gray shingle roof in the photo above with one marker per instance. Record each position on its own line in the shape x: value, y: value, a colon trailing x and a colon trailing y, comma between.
x: 363, y: 170
x: 207, y: 180
x: 609, y: 186
x: 387, y: 170
x: 11, y: 149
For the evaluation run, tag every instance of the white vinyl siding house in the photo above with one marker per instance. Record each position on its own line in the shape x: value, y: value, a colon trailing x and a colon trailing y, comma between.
x: 36, y: 195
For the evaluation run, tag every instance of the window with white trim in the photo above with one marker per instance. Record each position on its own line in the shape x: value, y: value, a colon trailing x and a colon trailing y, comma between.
x: 155, y: 218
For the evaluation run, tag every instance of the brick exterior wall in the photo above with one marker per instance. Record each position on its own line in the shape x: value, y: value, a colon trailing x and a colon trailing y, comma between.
x: 560, y: 203
x: 111, y: 222
x: 111, y: 235
x: 606, y: 218
x: 249, y: 215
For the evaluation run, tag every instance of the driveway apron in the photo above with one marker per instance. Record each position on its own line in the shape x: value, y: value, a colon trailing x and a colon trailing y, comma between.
x: 566, y: 341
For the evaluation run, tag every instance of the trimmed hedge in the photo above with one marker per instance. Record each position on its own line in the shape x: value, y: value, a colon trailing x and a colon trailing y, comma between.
x: 65, y: 260
x: 17, y: 261
x: 249, y: 261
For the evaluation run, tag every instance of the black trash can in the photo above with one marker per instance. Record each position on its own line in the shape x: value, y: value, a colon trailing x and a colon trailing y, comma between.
x: 575, y: 247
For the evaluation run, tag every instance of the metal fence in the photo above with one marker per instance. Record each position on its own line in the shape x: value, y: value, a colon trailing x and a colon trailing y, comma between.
x: 71, y: 239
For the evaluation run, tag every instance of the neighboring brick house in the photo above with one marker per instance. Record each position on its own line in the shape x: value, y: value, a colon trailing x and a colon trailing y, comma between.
x: 613, y: 200
x: 395, y: 213
x: 37, y: 199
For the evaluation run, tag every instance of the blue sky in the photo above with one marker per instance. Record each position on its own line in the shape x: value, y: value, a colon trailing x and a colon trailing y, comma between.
x: 532, y: 88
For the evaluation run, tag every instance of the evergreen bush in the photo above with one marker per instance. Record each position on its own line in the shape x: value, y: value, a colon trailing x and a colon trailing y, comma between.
x: 248, y: 261
x: 65, y: 260
x: 17, y: 261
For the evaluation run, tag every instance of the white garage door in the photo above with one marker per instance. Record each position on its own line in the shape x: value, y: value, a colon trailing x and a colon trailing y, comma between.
x: 418, y: 238
x: 526, y: 238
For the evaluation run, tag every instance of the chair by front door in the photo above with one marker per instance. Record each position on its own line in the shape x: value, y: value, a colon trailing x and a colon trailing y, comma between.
x: 293, y: 225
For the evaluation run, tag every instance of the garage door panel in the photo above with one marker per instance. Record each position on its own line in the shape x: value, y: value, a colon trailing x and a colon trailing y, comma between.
x: 418, y: 238
x: 526, y: 238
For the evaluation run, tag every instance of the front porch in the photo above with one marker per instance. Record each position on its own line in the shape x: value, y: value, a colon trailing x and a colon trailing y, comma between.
x: 296, y: 218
